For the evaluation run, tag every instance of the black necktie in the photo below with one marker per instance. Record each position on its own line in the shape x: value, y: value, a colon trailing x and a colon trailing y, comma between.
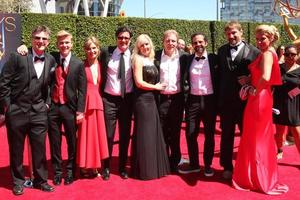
x: 36, y: 58
x: 234, y: 47
x: 121, y: 75
x: 200, y: 58
x: 62, y: 63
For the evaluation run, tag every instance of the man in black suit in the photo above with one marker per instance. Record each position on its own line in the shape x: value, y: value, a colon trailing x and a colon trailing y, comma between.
x: 171, y: 64
x: 202, y: 77
x: 117, y: 88
x: 68, y: 93
x: 234, y: 58
x: 24, y: 84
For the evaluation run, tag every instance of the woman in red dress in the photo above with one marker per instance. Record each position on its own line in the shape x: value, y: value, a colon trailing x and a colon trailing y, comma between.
x: 256, y: 163
x: 92, y: 142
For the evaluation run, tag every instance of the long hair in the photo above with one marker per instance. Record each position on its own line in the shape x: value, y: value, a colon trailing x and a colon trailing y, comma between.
x: 136, y: 54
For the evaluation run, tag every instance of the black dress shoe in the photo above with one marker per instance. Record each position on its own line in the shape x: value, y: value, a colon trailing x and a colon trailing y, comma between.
x: 44, y: 187
x: 124, y: 175
x: 69, y: 179
x: 57, y: 180
x: 105, y: 174
x: 18, y: 189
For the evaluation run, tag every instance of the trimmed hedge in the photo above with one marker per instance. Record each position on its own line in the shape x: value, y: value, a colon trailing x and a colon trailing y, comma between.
x: 104, y: 28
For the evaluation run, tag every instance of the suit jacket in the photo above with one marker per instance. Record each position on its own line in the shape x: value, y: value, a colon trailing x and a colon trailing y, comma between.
x: 231, y: 70
x: 15, y: 78
x: 75, y: 83
x: 182, y: 61
x: 213, y: 66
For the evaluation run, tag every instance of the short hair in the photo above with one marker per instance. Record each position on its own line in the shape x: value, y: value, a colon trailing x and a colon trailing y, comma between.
x: 233, y: 24
x: 123, y: 29
x: 290, y: 47
x: 40, y: 28
x: 199, y: 33
x: 269, y: 30
x: 63, y: 33
x: 171, y: 31
x: 91, y: 40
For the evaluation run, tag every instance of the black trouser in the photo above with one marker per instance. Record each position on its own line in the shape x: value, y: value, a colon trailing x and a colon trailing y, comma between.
x: 58, y: 115
x: 171, y: 114
x: 118, y: 109
x: 20, y: 124
x: 230, y: 115
x: 200, y: 108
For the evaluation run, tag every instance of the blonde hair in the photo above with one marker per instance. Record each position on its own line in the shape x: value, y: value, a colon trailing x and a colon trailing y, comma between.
x: 136, y: 54
x: 233, y: 24
x: 270, y: 30
x: 91, y: 40
x: 171, y: 31
x: 63, y: 33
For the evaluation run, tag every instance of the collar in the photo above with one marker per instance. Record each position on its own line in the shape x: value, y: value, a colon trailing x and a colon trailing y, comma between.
x: 67, y: 58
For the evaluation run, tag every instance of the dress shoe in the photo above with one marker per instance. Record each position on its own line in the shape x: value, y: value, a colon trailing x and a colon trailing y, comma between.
x: 57, y: 180
x: 105, y: 174
x: 18, y: 189
x: 124, y: 175
x: 227, y: 174
x: 44, y: 187
x: 69, y: 179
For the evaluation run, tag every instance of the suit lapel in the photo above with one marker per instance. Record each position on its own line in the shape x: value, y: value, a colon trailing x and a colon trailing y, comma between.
x: 46, y: 68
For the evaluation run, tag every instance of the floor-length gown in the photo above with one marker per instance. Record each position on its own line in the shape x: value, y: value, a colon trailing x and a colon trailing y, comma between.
x: 149, y: 156
x: 256, y: 163
x: 92, y: 142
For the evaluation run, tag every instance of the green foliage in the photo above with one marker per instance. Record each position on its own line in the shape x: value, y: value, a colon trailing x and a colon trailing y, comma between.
x: 104, y: 28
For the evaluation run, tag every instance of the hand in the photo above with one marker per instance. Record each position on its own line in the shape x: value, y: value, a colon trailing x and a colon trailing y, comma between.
x: 79, y: 117
x: 160, y: 86
x: 22, y: 50
x: 252, y: 91
x: 243, y: 80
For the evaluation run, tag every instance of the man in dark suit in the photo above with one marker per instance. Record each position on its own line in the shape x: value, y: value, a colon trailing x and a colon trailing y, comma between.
x: 234, y: 58
x: 24, y: 84
x: 171, y: 64
x: 68, y: 93
x: 202, y: 77
x: 117, y: 88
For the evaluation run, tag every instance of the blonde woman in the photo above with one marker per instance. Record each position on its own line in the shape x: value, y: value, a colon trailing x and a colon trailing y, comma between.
x: 256, y: 163
x: 149, y: 156
x: 92, y: 142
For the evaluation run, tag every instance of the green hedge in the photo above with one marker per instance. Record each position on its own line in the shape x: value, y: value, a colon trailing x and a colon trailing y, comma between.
x: 104, y: 28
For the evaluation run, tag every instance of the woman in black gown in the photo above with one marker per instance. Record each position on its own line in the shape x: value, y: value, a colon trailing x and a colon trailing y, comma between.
x: 287, y: 99
x: 149, y: 156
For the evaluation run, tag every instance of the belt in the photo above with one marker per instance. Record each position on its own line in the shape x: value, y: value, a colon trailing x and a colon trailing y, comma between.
x: 171, y: 96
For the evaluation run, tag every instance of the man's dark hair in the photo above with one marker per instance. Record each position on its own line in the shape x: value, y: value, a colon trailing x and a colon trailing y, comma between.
x: 41, y: 28
x: 123, y: 29
x: 199, y: 33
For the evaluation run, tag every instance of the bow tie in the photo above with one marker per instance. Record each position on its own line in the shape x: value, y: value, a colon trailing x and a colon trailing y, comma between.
x: 200, y: 58
x: 234, y: 47
x: 36, y: 58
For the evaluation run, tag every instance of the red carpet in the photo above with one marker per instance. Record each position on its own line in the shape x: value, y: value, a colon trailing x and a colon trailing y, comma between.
x: 193, y: 186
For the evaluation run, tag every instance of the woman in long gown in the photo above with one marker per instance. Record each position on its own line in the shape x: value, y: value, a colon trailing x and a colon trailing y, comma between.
x: 92, y: 142
x: 149, y: 156
x: 256, y: 163
x: 287, y: 99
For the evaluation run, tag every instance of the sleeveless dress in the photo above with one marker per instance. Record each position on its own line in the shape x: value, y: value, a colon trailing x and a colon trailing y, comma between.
x: 92, y: 142
x: 289, y: 107
x: 256, y: 163
x: 149, y: 156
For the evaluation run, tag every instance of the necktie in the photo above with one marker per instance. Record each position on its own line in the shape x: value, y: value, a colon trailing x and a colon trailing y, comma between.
x: 200, y: 58
x: 121, y: 75
x: 36, y: 58
x: 234, y: 47
x: 62, y: 63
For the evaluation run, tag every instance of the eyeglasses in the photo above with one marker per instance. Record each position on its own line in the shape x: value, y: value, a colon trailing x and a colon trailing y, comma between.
x: 123, y: 38
x: 290, y: 54
x: 39, y: 38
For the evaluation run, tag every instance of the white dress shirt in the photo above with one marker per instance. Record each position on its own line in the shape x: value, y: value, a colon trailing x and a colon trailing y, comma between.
x: 234, y: 52
x: 38, y: 65
x: 66, y: 62
x: 170, y: 73
x: 200, y: 77
x: 113, y: 83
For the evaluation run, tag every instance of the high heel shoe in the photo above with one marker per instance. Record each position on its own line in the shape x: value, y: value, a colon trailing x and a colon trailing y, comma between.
x: 84, y: 173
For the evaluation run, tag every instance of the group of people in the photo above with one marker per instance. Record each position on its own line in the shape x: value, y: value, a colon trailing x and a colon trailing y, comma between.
x: 61, y: 95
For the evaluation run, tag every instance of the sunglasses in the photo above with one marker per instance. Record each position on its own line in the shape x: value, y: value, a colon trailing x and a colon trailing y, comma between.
x: 290, y: 54
x: 39, y: 38
x: 123, y: 38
